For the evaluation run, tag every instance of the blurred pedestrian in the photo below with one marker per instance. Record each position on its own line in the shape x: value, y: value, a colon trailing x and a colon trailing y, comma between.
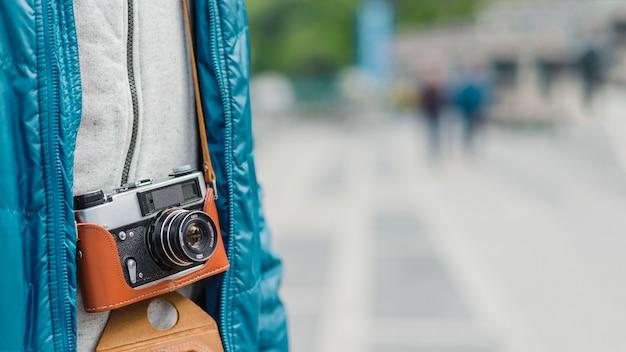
x: 590, y: 67
x: 431, y: 104
x: 470, y: 100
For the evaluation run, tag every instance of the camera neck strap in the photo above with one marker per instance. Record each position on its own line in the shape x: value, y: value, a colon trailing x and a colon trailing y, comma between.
x: 207, y: 168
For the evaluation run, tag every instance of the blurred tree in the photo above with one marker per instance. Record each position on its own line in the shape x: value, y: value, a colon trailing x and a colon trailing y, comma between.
x: 413, y: 13
x: 315, y: 37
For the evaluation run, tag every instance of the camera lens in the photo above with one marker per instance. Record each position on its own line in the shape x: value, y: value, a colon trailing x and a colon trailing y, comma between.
x: 181, y: 237
x: 194, y: 237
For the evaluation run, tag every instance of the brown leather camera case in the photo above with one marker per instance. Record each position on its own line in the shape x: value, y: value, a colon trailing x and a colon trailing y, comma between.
x: 101, y: 276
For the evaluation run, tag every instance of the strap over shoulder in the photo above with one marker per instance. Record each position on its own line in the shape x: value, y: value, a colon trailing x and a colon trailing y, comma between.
x: 207, y: 167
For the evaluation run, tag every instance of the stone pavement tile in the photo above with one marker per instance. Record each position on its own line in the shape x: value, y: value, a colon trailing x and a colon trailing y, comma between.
x: 390, y: 334
x: 303, y: 332
x: 413, y: 348
x: 398, y: 231
x: 416, y: 287
x: 410, y: 280
x: 305, y: 259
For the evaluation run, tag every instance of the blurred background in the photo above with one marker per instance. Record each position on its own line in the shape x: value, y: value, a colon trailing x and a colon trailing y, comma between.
x: 445, y: 176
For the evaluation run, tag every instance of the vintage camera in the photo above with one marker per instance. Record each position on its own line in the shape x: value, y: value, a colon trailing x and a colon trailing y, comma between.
x: 156, y: 236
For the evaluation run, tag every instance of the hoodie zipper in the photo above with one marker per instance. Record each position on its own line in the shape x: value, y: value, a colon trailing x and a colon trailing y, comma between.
x: 133, y: 92
x: 215, y: 35
x: 62, y: 323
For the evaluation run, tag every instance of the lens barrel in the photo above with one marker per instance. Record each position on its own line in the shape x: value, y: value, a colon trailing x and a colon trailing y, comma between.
x: 182, y: 237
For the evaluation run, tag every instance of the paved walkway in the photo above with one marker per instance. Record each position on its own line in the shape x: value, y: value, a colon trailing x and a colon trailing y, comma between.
x: 518, y: 249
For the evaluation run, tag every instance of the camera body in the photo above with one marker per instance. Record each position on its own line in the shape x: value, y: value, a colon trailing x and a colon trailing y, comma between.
x: 146, y: 240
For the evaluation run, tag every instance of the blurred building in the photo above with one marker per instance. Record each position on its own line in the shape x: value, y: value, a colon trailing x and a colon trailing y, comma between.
x: 546, y: 61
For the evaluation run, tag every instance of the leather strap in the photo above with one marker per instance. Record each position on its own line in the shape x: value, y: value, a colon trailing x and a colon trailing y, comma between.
x: 207, y: 168
x: 129, y: 329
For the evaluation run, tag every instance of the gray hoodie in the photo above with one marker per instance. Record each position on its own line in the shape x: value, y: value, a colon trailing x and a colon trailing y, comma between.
x: 135, y: 75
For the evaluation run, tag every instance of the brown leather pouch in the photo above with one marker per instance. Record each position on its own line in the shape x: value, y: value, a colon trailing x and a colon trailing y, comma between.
x: 129, y: 329
x: 101, y: 275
